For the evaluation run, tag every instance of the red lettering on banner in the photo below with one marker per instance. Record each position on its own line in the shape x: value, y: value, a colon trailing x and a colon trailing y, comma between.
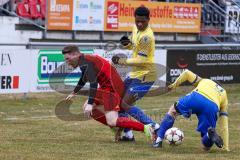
x: 165, y: 17
x: 158, y: 12
x: 15, y: 82
x: 127, y: 11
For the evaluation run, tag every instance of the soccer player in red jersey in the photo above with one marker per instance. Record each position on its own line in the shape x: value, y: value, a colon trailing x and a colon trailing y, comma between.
x: 99, y: 71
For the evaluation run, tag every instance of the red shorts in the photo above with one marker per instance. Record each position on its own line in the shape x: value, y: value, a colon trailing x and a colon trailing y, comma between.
x: 108, y: 98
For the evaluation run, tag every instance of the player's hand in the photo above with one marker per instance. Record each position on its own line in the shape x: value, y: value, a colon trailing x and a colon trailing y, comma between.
x: 172, y: 86
x: 119, y: 58
x: 169, y: 88
x: 125, y: 40
x: 115, y: 59
x: 70, y: 96
x: 88, y: 110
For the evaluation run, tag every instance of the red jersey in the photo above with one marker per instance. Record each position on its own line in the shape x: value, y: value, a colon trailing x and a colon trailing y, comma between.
x: 106, y: 74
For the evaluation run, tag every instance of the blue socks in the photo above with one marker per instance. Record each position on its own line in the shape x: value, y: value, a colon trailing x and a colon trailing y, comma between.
x: 139, y: 115
x: 206, y: 141
x: 167, y: 123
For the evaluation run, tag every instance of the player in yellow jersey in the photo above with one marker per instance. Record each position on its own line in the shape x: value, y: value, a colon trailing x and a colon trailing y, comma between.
x: 143, y: 73
x: 206, y: 100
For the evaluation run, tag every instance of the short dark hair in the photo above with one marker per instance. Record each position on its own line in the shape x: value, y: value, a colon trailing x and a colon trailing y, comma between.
x: 69, y: 49
x: 142, y: 11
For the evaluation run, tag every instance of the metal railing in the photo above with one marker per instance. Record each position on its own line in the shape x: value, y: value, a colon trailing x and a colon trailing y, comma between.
x: 212, y: 6
x: 236, y: 4
x: 60, y: 45
x: 230, y: 17
x: 22, y: 18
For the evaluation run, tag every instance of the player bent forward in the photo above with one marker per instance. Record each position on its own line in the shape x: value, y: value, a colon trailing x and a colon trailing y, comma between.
x: 206, y: 100
x: 98, y: 71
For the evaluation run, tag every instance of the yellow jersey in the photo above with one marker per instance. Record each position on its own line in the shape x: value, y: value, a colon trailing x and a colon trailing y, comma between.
x: 213, y: 92
x: 142, y: 60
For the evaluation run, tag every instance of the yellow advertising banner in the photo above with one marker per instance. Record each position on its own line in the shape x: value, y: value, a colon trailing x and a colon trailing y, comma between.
x: 164, y: 17
x: 60, y: 14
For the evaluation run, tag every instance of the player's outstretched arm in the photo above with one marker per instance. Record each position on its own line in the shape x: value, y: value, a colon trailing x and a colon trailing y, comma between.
x: 223, y: 124
x: 79, y: 86
x: 144, y: 48
x: 81, y: 81
x: 157, y: 91
x: 187, y: 75
x: 77, y: 90
x: 135, y: 61
x: 123, y: 60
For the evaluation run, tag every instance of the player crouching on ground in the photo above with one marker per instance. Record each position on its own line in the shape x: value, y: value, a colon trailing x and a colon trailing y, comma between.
x: 206, y: 100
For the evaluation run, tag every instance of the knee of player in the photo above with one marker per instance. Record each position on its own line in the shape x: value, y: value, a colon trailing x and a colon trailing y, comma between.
x: 172, y: 111
x: 112, y: 122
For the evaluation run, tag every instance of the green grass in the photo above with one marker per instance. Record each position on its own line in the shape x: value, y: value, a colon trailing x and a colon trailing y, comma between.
x: 29, y: 130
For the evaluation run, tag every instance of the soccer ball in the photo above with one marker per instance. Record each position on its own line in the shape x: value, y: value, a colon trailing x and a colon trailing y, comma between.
x: 174, y: 136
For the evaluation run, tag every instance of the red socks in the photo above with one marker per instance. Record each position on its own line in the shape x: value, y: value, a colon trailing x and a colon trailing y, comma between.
x: 122, y: 122
x: 125, y: 122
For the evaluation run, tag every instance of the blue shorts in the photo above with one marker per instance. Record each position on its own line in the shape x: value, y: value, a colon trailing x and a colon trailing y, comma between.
x: 205, y: 109
x: 137, y: 87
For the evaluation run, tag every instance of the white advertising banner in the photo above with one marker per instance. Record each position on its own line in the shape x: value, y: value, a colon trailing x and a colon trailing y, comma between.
x: 232, y: 24
x: 88, y: 15
x: 15, y: 71
x: 44, y: 62
x: 50, y: 63
x: 23, y: 71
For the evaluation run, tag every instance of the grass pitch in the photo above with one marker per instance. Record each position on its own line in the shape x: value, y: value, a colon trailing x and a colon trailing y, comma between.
x: 29, y: 130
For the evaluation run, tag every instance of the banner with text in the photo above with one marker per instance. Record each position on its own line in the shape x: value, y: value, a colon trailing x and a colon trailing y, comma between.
x: 50, y: 63
x: 15, y: 70
x: 220, y: 65
x: 88, y: 15
x: 165, y: 17
x: 59, y: 14
x: 23, y: 71
x: 118, y: 15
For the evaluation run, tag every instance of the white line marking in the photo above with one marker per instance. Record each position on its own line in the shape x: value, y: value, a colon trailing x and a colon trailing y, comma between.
x: 27, y: 118
x: 53, y: 116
